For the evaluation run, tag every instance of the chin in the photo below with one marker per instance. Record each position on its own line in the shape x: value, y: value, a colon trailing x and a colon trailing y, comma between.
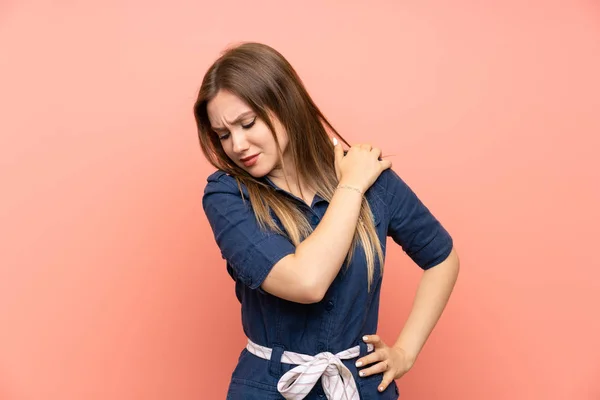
x: 258, y: 171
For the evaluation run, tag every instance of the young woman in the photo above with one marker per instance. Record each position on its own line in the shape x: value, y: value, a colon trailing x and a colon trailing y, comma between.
x: 302, y: 224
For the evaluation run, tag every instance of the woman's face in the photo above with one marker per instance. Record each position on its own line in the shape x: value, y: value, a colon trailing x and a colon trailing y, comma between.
x: 245, y: 138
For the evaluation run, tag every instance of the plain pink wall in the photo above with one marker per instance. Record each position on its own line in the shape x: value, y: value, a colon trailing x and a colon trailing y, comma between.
x: 111, y: 286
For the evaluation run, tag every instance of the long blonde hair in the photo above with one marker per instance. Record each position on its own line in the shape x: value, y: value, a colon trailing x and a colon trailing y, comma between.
x: 264, y: 79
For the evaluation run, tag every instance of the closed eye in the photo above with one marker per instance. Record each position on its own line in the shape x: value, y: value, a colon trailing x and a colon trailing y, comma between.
x: 249, y: 125
x: 224, y: 134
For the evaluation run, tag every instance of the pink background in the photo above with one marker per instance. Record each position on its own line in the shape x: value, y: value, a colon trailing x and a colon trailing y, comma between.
x: 111, y: 286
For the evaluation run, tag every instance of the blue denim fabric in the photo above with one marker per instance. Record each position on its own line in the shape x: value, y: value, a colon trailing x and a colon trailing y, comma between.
x: 347, y: 312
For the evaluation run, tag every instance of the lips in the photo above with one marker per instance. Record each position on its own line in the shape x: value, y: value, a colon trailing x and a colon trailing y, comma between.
x: 250, y: 160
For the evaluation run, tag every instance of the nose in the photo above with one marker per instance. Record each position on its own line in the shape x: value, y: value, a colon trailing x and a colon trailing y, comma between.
x: 240, y: 143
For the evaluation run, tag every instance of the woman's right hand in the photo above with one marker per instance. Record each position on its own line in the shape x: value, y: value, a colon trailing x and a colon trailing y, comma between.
x: 360, y: 167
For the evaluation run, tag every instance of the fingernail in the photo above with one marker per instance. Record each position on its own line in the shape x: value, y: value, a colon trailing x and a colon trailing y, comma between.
x: 335, y: 142
x: 381, y: 388
x: 365, y: 338
x: 361, y: 373
x: 359, y: 363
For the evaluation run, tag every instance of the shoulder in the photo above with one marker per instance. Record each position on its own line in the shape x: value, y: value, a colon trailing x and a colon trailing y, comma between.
x: 219, y: 177
x: 389, y: 182
x: 221, y: 188
x: 219, y: 181
x: 391, y: 192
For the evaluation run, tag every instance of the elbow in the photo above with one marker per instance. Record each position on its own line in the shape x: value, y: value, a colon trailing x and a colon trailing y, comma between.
x: 289, y: 281
x: 310, y: 286
x: 312, y: 293
x: 312, y: 298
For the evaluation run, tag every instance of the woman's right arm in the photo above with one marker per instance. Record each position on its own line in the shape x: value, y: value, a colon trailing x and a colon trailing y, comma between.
x: 305, y: 275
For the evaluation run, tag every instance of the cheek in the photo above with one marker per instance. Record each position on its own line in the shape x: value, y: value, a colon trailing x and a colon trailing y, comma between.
x: 282, y: 137
x: 227, y: 148
x: 283, y: 142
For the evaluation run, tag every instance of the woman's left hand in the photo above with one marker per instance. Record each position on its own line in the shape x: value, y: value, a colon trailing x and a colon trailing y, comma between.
x: 393, y: 362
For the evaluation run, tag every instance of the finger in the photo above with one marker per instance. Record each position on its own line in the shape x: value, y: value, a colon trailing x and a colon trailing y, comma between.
x: 378, y: 368
x: 366, y: 146
x: 369, y: 359
x: 355, y: 147
x: 388, y: 377
x: 385, y: 164
x: 375, y: 340
x: 376, y: 151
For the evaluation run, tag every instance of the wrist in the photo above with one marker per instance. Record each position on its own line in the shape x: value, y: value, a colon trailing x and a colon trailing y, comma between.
x: 410, y: 357
x: 352, y: 186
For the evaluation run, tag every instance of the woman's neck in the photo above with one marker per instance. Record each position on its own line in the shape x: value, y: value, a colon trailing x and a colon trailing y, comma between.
x: 289, y: 183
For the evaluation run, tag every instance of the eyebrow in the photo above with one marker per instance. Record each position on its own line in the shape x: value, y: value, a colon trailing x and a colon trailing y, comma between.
x: 235, y: 121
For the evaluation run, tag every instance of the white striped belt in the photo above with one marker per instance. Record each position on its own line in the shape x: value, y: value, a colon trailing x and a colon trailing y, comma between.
x: 337, y: 380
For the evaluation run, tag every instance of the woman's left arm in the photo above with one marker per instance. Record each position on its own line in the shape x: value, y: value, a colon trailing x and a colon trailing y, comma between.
x: 431, y: 298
